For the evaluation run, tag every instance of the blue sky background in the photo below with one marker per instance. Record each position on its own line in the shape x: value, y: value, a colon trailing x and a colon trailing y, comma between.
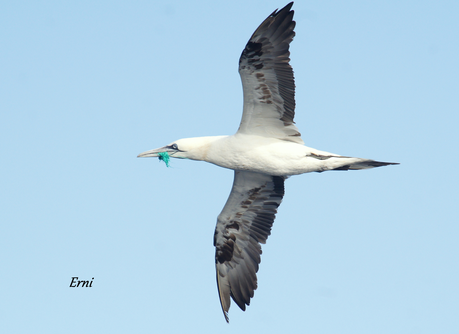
x: 86, y: 86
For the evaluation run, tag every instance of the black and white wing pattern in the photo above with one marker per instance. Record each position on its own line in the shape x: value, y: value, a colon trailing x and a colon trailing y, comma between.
x: 267, y: 79
x: 243, y: 224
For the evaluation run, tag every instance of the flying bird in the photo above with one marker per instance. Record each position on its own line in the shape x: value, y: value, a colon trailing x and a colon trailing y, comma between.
x: 266, y: 150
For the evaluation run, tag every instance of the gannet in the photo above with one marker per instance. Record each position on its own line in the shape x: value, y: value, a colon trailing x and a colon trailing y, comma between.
x: 266, y: 150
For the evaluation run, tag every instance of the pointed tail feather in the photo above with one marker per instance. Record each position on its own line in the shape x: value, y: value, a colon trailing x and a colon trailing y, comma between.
x: 364, y: 164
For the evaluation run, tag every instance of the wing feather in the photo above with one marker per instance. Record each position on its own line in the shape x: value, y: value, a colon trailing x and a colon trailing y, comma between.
x: 243, y: 224
x: 267, y: 79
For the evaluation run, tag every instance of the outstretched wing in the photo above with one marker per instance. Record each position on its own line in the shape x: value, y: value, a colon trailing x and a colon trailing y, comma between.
x: 243, y: 224
x: 267, y: 79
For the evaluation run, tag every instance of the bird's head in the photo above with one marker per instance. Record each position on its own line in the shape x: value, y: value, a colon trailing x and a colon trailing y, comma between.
x: 188, y: 148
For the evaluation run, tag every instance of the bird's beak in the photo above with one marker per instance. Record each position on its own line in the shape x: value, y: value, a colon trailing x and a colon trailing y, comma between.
x: 154, y: 153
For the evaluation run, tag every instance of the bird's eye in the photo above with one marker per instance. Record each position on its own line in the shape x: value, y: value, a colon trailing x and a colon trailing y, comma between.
x: 174, y: 146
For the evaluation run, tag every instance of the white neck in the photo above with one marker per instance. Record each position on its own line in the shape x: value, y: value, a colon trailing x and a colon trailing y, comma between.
x: 196, y: 148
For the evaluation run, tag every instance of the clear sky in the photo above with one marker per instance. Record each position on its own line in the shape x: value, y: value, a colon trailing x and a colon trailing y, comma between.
x: 85, y: 86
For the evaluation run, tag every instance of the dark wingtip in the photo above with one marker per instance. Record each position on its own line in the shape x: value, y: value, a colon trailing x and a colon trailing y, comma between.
x: 286, y: 8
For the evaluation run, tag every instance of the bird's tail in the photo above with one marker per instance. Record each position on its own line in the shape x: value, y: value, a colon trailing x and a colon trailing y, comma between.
x: 358, y: 163
x: 330, y: 161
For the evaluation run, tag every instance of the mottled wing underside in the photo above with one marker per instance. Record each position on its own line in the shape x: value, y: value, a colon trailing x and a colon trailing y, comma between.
x: 243, y: 224
x: 267, y: 79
